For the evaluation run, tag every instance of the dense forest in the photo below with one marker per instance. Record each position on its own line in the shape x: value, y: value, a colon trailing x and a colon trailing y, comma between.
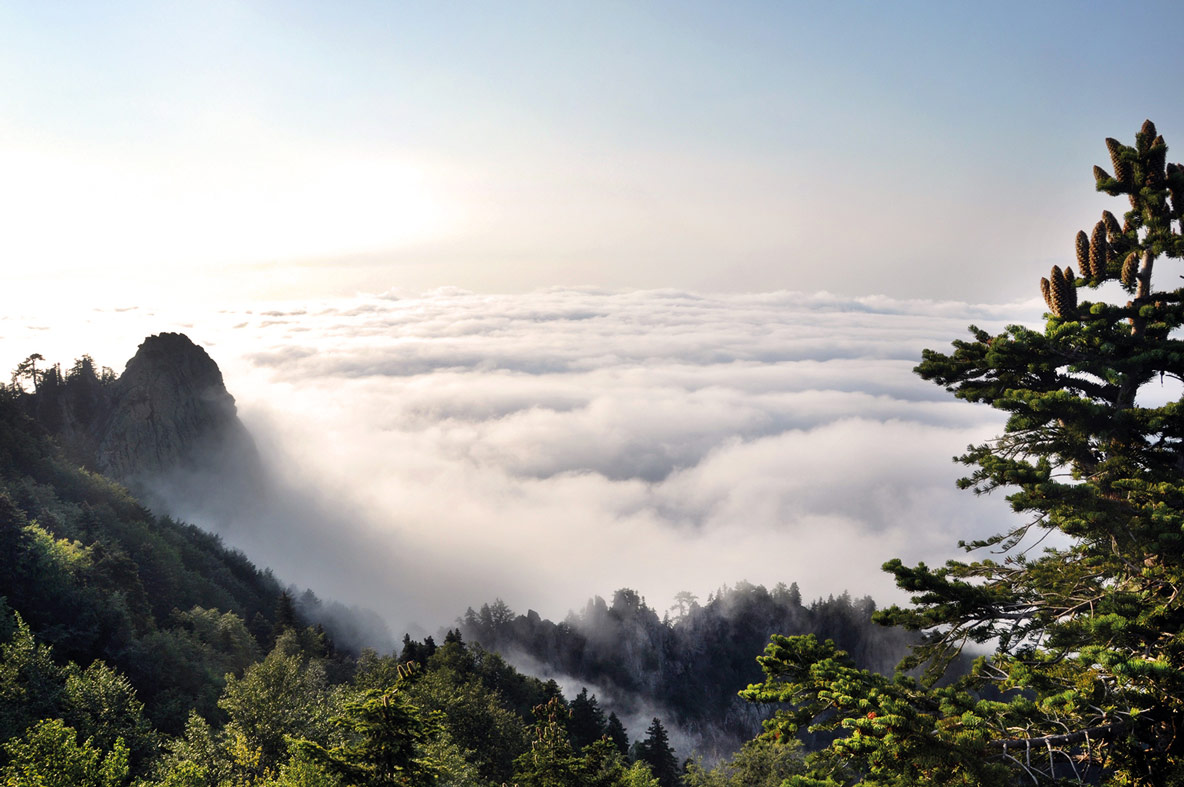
x: 690, y: 662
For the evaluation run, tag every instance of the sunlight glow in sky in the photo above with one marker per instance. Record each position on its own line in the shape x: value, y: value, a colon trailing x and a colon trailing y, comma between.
x: 236, y: 149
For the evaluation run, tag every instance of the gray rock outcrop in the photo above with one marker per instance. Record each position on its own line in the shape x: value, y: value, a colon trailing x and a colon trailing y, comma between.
x: 170, y: 411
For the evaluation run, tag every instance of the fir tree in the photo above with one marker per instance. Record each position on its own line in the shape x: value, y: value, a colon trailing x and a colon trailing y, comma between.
x: 1087, y: 635
x: 614, y: 730
x: 387, y: 741
x: 587, y: 723
x: 655, y: 751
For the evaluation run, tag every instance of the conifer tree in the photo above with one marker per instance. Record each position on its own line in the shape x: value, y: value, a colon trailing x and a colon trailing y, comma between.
x: 614, y: 730
x: 551, y: 761
x: 587, y: 723
x: 387, y: 740
x: 655, y: 751
x: 1088, y: 634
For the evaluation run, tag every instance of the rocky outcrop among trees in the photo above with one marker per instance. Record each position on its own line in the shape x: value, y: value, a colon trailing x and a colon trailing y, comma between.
x: 167, y: 422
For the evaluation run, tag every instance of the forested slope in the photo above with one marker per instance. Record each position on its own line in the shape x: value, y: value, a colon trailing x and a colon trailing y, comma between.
x: 97, y: 576
x: 135, y: 649
x: 689, y: 662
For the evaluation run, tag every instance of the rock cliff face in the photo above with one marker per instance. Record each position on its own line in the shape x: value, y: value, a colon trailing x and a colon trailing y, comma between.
x: 167, y: 428
x: 169, y: 412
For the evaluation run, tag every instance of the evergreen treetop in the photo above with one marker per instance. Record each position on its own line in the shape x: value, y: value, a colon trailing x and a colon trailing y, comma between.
x: 1087, y: 635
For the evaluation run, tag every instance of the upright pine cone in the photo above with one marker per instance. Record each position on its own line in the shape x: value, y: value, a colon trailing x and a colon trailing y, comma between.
x: 1122, y: 169
x: 1145, y: 136
x: 1130, y: 269
x: 1083, y: 256
x: 1112, y: 227
x: 1156, y: 159
x: 1062, y: 292
x: 1046, y: 291
x: 1099, y: 250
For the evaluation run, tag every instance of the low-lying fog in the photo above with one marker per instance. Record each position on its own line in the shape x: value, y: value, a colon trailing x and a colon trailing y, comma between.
x: 448, y: 449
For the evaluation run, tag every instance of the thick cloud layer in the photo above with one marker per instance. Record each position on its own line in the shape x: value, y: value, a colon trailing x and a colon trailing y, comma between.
x: 451, y: 448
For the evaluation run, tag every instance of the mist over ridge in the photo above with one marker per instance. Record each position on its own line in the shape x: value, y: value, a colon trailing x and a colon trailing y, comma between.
x: 452, y: 448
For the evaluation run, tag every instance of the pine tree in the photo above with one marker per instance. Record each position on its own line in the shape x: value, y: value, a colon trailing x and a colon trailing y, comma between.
x: 614, y: 730
x: 387, y: 737
x: 1088, y: 634
x: 655, y: 751
x: 587, y: 723
x: 551, y: 761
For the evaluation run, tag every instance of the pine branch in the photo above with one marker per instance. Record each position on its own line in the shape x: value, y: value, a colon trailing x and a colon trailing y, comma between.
x: 1100, y: 732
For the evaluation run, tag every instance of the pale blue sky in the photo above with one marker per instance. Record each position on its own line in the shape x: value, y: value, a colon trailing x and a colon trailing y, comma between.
x: 289, y: 148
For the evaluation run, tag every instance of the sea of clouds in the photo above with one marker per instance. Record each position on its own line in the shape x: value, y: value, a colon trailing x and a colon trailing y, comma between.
x: 445, y: 449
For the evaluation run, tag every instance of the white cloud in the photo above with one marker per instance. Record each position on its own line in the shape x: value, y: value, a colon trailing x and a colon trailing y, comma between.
x: 451, y: 448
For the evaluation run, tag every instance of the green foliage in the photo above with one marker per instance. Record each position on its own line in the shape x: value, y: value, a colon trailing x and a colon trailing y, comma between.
x: 302, y: 773
x: 475, y: 718
x: 97, y: 576
x: 587, y: 723
x: 614, y: 730
x: 284, y: 696
x: 30, y: 682
x: 386, y: 742
x: 762, y: 762
x: 655, y: 751
x: 101, y: 705
x: 888, y: 730
x: 1087, y: 634
x: 551, y: 761
x: 49, y: 755
x: 195, y: 759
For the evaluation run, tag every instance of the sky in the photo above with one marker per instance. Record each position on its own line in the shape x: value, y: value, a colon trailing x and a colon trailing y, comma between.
x: 238, y: 150
x: 537, y: 300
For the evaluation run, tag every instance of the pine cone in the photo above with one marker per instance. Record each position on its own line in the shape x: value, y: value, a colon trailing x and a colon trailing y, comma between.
x: 1083, y: 256
x: 1156, y: 158
x: 1144, y: 137
x: 1115, y: 149
x: 1045, y: 290
x: 1130, y: 269
x: 1064, y: 294
x: 1112, y: 227
x: 1099, y: 250
x: 1122, y: 169
x: 1100, y: 175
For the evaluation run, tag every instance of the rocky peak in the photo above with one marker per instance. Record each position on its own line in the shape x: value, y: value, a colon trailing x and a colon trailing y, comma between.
x: 169, y: 411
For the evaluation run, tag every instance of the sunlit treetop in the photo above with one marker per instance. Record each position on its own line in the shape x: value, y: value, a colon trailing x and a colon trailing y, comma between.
x: 1087, y: 635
